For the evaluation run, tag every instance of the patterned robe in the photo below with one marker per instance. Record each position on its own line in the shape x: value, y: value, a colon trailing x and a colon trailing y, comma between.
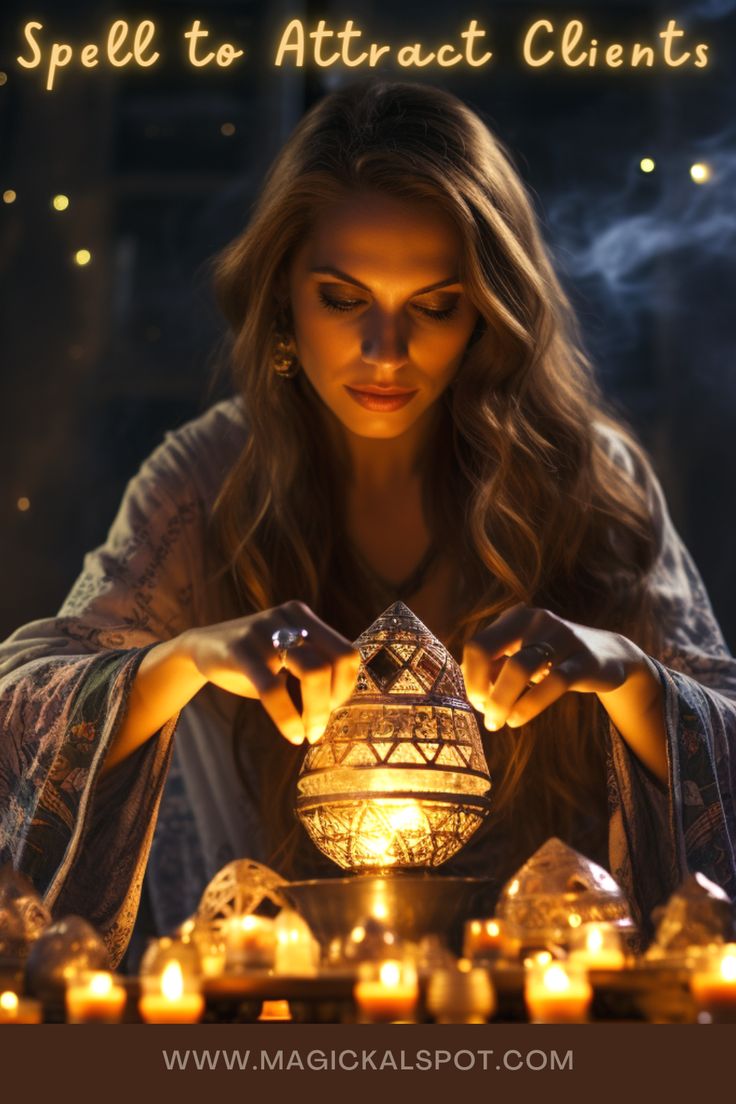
x: 87, y: 841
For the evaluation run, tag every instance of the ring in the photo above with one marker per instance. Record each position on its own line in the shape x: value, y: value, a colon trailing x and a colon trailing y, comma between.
x: 283, y: 639
x: 547, y: 652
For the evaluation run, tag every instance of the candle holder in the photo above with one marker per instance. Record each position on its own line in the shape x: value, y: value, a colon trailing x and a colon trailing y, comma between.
x: 250, y: 943
x: 460, y: 994
x: 94, y: 996
x: 713, y: 984
x: 486, y: 941
x: 557, y: 992
x: 387, y: 991
x: 597, y: 946
x: 19, y: 1010
x: 171, y: 983
x: 399, y: 779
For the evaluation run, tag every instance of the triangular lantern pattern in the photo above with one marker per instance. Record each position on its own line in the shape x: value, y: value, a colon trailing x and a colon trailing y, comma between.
x: 399, y: 777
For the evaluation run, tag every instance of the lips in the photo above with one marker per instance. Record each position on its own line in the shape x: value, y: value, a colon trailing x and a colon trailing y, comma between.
x: 382, y: 399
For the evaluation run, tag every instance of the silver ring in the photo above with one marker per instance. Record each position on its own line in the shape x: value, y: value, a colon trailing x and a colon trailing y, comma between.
x: 547, y: 653
x: 283, y: 639
x: 546, y: 650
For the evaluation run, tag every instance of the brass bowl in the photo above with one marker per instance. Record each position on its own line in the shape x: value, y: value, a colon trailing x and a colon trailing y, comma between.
x: 411, y: 905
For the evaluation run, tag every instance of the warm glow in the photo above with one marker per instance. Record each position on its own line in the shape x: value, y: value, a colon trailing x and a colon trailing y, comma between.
x: 100, y: 983
x: 60, y: 202
x: 358, y: 934
x: 540, y: 958
x: 492, y: 927
x: 514, y: 888
x: 248, y: 923
x: 390, y: 973
x: 594, y: 940
x: 172, y: 981
x: 380, y: 910
x: 556, y: 979
x: 728, y: 967
x: 23, y: 504
x: 9, y: 196
x: 574, y: 920
x: 700, y: 172
x: 647, y: 165
x: 227, y: 129
x: 82, y: 257
x: 8, y: 1001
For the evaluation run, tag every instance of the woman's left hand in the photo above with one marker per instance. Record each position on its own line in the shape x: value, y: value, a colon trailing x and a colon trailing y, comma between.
x: 528, y: 658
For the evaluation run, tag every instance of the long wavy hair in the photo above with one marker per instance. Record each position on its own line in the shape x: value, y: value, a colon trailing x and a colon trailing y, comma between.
x: 524, y: 492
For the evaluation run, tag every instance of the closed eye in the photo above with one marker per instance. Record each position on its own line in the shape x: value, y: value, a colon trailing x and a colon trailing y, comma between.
x: 344, y: 306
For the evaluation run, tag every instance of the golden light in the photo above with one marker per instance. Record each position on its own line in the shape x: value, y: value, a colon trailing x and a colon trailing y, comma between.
x: 647, y: 165
x: 60, y: 202
x: 172, y: 981
x: 556, y: 978
x: 700, y: 172
x: 399, y: 778
x: 23, y: 504
x: 390, y: 973
x: 9, y: 196
x: 728, y: 967
x: 100, y: 983
x: 82, y: 257
x: 8, y: 1001
x: 3, y: 78
x: 574, y: 919
x: 227, y: 129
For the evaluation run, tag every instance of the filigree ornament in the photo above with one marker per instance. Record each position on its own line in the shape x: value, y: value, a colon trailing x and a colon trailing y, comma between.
x: 399, y: 779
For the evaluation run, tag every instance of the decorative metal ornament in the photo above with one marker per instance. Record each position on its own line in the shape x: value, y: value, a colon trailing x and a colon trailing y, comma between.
x: 284, y: 360
x: 399, y: 779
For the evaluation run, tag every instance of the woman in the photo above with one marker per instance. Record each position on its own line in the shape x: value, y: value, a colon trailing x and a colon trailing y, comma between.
x: 414, y: 418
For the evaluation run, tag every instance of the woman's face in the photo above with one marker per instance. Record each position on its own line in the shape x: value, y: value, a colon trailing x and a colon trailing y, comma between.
x: 377, y: 304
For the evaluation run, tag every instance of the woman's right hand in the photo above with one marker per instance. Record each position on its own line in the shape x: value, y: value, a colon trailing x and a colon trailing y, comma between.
x: 239, y: 656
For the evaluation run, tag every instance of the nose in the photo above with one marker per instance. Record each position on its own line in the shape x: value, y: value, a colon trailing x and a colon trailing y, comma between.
x: 384, y: 343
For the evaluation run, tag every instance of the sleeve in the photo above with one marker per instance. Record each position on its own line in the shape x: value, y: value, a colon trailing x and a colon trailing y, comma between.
x: 658, y: 833
x: 64, y: 685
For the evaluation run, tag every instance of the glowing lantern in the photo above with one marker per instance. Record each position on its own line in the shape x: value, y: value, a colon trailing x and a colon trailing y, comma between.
x: 399, y: 779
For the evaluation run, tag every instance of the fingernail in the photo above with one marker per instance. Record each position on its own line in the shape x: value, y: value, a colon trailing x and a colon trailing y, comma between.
x: 314, y: 733
x: 512, y: 720
x: 490, y: 724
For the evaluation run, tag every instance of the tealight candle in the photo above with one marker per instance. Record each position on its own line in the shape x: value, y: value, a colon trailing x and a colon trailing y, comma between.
x: 19, y: 1010
x: 297, y: 951
x: 170, y: 1002
x: 275, y: 1011
x: 557, y: 992
x: 713, y: 984
x: 483, y: 940
x: 93, y: 997
x: 461, y: 994
x: 386, y: 992
x: 597, y: 947
x: 250, y: 943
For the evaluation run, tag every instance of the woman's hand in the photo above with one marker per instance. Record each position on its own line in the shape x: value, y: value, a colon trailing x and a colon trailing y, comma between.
x: 526, y: 645
x: 528, y: 658
x: 239, y: 656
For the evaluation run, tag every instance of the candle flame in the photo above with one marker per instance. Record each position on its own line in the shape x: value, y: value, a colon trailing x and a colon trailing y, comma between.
x: 172, y: 981
x: 493, y: 927
x: 390, y: 973
x: 556, y: 978
x: 594, y: 940
x: 728, y: 967
x: 100, y: 983
x: 9, y: 1001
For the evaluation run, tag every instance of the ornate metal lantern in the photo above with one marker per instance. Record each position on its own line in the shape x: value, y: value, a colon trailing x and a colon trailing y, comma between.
x: 399, y: 779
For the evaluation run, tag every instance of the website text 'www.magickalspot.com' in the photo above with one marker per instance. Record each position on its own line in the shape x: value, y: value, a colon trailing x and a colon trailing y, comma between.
x: 366, y: 1060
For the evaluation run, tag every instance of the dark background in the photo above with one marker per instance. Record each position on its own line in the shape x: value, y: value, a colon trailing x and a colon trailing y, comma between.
x: 98, y: 361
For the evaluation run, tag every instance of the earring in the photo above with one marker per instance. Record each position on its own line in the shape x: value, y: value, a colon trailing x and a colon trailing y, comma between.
x: 284, y: 360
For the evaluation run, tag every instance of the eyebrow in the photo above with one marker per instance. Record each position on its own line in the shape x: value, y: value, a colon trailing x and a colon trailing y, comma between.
x: 327, y: 270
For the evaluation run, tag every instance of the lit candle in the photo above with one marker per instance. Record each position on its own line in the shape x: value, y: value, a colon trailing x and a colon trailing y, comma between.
x: 297, y: 951
x: 713, y: 984
x: 598, y: 947
x: 171, y: 1002
x: 557, y: 992
x: 250, y: 943
x: 386, y: 993
x: 275, y: 1011
x: 461, y: 994
x: 93, y: 997
x: 19, y: 1010
x: 483, y: 940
